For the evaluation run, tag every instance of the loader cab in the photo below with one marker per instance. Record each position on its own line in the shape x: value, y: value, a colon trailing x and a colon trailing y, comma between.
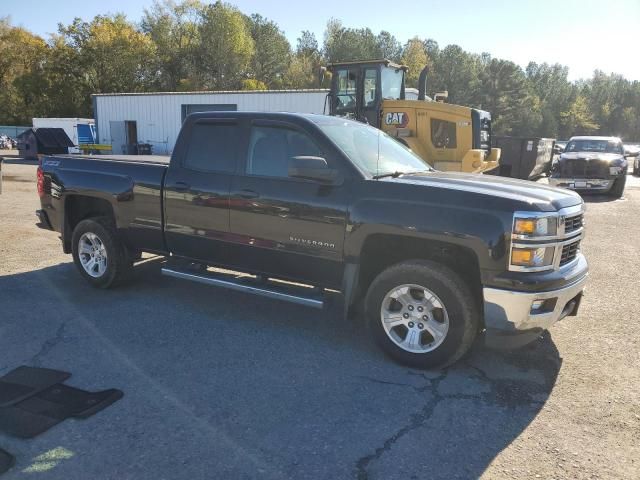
x: 447, y: 136
x: 358, y: 89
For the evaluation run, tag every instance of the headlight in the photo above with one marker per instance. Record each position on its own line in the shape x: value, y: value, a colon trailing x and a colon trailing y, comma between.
x: 484, y: 136
x: 534, y: 226
x: 531, y: 226
x: 615, y: 170
x: 532, y: 257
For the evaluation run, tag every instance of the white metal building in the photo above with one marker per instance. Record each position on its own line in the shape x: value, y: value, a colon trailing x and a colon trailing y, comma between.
x: 124, y: 119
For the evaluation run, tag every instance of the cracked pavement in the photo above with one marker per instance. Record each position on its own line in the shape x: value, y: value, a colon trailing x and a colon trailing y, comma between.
x: 219, y: 384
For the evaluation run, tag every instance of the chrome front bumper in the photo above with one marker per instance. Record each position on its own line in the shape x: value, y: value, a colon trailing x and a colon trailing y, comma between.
x: 512, y: 321
x: 582, y: 183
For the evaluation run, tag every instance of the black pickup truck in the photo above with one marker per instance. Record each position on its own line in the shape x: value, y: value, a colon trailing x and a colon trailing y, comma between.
x: 592, y: 164
x: 303, y: 203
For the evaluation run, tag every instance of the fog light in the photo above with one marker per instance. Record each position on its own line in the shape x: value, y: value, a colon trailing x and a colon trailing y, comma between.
x: 547, y: 305
x: 537, y: 305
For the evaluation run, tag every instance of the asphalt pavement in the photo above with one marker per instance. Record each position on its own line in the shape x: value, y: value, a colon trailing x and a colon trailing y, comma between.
x: 222, y: 385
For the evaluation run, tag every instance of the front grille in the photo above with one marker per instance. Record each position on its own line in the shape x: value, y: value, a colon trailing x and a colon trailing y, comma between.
x: 571, y: 224
x: 569, y: 252
x: 582, y: 168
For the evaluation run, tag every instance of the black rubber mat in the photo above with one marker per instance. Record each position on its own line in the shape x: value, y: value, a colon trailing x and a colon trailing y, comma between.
x: 24, y: 382
x: 49, y: 406
x: 63, y: 401
x: 6, y: 461
x: 17, y: 422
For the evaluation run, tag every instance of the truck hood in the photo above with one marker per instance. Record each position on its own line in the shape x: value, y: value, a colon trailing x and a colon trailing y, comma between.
x: 606, y: 157
x: 546, y: 198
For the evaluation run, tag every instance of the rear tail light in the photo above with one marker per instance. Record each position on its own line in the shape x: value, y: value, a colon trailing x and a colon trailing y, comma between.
x: 40, y: 176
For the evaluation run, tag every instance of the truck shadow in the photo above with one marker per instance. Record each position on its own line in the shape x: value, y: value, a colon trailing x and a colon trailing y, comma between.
x: 601, y: 198
x: 263, y: 388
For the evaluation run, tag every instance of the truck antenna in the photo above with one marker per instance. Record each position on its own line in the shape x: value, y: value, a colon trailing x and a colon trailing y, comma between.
x: 378, y: 157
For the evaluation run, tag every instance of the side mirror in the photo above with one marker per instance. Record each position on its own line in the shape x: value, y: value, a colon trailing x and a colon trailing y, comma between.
x: 632, y: 154
x: 312, y: 168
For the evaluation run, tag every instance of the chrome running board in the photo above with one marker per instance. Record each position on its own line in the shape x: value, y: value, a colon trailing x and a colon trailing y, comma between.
x: 243, y: 284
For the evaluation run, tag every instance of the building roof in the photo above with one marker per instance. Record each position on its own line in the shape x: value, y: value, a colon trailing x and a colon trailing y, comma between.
x: 210, y: 92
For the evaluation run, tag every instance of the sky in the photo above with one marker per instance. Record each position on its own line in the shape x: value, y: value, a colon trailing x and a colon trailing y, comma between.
x: 584, y: 35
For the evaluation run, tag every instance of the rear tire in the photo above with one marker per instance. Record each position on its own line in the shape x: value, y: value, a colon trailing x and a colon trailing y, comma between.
x: 447, y: 308
x: 99, y: 254
x: 618, y: 187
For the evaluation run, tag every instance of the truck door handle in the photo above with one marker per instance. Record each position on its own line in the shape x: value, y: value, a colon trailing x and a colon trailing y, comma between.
x: 181, y: 186
x: 248, y: 194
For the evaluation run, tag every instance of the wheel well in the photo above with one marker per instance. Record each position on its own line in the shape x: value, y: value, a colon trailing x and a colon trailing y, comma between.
x: 80, y: 207
x: 382, y: 251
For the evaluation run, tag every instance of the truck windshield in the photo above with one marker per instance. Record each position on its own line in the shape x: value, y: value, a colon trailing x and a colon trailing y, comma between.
x: 603, y: 146
x: 391, y: 83
x: 372, y: 150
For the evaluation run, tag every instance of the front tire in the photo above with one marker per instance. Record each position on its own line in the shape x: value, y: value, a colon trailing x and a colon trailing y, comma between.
x: 422, y: 314
x: 99, y: 254
x: 618, y: 187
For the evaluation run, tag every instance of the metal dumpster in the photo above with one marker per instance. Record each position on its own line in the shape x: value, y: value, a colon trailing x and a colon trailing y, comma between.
x: 527, y: 158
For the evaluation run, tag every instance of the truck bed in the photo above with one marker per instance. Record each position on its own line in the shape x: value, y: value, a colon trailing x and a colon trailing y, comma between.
x: 130, y: 184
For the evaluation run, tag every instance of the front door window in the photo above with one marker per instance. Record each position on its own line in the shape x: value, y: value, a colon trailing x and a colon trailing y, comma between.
x: 370, y: 87
x: 346, y: 91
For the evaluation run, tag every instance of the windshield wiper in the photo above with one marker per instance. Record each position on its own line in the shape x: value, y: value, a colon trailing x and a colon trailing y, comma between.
x: 395, y: 174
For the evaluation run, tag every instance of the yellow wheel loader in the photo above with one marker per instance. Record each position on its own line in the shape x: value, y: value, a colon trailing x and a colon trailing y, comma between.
x: 449, y: 137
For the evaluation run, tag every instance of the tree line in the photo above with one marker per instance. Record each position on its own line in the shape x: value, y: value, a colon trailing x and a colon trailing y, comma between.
x: 190, y: 45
